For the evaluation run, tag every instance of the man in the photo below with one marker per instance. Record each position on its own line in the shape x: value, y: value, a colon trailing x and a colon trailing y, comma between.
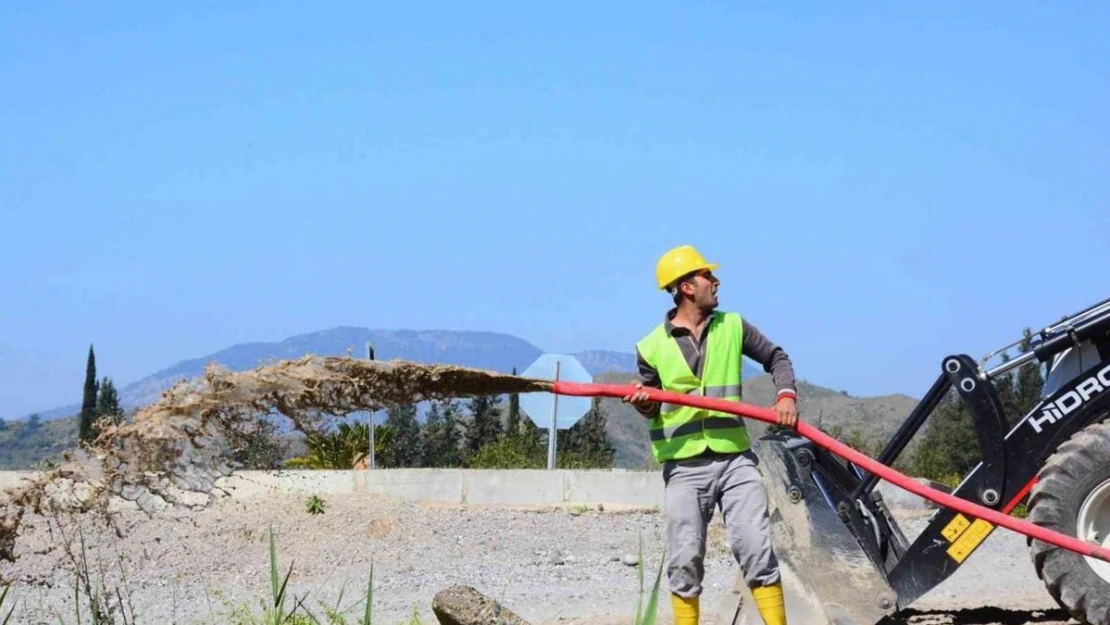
x: 706, y: 457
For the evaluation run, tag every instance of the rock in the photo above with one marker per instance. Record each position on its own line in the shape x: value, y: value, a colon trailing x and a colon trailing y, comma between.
x: 463, y: 605
x: 630, y: 560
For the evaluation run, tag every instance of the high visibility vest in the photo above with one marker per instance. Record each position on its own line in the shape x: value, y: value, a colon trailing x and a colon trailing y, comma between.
x: 682, y: 431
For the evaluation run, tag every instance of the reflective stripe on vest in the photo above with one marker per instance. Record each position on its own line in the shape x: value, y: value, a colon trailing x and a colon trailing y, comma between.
x: 725, y: 391
x: 682, y: 431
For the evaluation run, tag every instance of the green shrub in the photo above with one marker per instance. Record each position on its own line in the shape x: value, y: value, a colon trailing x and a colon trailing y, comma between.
x: 510, y: 452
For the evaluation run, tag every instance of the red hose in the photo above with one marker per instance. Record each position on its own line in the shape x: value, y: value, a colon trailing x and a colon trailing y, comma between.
x: 824, y: 440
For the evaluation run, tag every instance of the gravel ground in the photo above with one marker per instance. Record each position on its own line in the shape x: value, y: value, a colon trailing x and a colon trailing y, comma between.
x: 547, y: 564
x: 999, y: 574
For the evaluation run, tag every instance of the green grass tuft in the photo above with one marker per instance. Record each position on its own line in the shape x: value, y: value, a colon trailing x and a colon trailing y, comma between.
x: 276, y: 609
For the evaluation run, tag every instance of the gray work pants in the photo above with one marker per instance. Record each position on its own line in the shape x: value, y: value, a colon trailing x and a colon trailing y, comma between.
x: 693, y: 488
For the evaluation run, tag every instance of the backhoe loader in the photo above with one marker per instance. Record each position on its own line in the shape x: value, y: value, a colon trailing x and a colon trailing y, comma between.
x: 845, y: 558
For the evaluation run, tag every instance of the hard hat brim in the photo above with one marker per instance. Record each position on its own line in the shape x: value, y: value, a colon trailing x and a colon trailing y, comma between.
x: 709, y: 266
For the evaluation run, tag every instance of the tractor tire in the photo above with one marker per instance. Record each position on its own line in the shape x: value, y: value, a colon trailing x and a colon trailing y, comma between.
x: 1075, y: 483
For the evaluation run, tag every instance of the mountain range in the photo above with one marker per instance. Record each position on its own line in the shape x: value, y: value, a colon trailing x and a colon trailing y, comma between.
x: 484, y: 350
x: 869, y: 420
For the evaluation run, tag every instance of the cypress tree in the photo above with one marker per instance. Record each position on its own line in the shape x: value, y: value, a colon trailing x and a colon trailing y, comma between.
x: 85, y: 431
x: 596, y: 440
x: 1030, y: 381
x: 587, y: 443
x: 1008, y: 393
x: 431, y: 436
x: 405, y: 452
x: 440, y: 436
x: 532, y: 437
x: 485, y: 422
x: 107, y: 405
x: 452, y: 428
x: 949, y: 446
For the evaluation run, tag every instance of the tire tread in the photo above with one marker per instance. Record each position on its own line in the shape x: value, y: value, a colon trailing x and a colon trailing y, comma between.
x: 1066, y: 576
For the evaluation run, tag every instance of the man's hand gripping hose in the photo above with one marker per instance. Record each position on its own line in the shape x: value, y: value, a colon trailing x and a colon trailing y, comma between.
x: 840, y: 449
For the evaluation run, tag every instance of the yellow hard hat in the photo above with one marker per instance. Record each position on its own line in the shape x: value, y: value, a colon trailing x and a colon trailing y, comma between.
x: 678, y: 262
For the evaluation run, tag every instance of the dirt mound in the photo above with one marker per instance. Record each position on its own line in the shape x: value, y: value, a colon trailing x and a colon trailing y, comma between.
x: 183, y: 443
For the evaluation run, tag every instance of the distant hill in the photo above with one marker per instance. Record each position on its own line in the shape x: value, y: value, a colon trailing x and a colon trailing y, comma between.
x: 876, y: 417
x: 600, y: 361
x: 484, y: 350
x: 25, y: 444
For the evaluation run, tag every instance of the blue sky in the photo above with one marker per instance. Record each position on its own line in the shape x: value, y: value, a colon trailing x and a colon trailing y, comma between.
x: 882, y: 186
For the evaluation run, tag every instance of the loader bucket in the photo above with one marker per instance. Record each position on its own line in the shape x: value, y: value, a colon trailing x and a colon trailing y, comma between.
x: 827, y: 577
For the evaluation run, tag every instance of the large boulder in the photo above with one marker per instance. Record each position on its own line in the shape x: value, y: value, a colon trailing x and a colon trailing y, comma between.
x: 463, y: 605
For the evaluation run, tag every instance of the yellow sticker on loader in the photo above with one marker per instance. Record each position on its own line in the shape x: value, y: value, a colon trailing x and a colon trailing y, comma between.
x: 955, y: 527
x: 969, y: 540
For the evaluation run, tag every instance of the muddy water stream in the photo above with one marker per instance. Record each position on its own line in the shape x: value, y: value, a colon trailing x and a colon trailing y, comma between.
x: 183, y: 443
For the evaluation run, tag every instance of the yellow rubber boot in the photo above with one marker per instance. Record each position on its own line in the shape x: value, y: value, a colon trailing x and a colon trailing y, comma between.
x: 685, y: 610
x: 769, y: 601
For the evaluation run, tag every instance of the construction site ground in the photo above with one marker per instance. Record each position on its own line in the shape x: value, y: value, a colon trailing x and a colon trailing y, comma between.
x: 548, y: 564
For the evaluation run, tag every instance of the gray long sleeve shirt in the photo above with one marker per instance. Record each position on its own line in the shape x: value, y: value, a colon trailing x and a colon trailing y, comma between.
x: 756, y: 346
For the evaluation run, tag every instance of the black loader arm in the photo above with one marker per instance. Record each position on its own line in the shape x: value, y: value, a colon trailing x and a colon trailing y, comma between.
x: 1011, y: 460
x: 834, y: 531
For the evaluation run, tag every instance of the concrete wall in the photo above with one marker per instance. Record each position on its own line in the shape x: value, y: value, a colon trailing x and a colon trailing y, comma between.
x: 616, y: 488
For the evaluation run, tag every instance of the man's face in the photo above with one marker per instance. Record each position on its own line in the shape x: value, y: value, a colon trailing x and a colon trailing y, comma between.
x: 701, y: 288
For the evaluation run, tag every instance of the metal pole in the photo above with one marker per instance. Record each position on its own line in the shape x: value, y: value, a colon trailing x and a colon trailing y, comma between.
x: 1080, y: 316
x: 370, y: 356
x: 1013, y: 363
x: 1064, y: 324
x: 554, y: 427
x: 1093, y: 322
